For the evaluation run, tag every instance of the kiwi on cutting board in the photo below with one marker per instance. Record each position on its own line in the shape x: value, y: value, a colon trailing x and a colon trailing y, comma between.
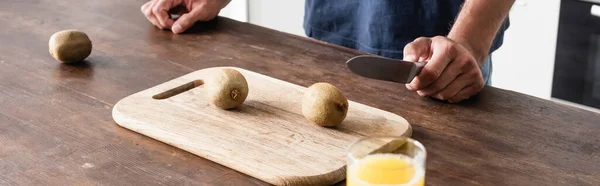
x: 324, y: 104
x: 226, y: 88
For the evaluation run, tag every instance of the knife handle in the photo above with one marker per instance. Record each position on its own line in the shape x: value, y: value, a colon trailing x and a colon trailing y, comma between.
x: 418, y: 67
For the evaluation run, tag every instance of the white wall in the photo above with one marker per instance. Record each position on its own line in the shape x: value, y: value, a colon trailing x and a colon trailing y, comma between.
x: 236, y: 9
x: 286, y: 16
x: 524, y: 63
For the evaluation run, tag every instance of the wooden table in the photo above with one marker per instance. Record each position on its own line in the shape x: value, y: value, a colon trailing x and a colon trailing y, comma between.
x: 56, y: 126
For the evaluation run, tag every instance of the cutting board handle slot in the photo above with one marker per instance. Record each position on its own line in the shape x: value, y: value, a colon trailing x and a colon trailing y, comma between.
x: 178, y: 90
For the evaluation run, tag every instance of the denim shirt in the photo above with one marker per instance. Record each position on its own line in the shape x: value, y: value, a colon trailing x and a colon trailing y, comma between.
x: 384, y: 27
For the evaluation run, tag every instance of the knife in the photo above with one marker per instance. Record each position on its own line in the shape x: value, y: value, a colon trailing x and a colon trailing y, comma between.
x: 386, y: 69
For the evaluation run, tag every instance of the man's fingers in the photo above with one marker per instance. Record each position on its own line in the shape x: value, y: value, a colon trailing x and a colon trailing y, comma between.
x: 418, y: 50
x: 187, y: 20
x: 454, y: 87
x: 161, y: 11
x: 145, y: 6
x: 466, y: 93
x: 443, y: 51
x: 147, y: 11
x: 450, y: 75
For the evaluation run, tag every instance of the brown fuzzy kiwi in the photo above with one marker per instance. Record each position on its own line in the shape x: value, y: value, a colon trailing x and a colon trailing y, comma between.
x: 226, y: 88
x: 324, y: 105
x: 70, y: 46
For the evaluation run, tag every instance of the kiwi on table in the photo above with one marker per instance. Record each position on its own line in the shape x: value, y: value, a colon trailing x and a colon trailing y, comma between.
x: 70, y: 46
x: 226, y: 88
x: 324, y: 104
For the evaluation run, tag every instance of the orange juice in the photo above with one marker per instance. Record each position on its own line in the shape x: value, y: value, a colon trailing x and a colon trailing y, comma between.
x: 385, y: 169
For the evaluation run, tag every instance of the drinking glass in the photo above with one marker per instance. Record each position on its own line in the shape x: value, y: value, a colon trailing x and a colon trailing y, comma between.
x: 375, y: 161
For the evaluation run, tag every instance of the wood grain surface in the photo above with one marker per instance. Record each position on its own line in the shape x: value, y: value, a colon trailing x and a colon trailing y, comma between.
x: 267, y: 137
x: 56, y: 126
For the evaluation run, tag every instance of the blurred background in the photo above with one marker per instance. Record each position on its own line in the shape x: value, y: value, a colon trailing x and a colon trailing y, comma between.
x: 549, y: 50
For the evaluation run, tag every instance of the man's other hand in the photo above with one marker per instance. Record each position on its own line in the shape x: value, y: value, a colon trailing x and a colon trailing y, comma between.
x: 157, y: 12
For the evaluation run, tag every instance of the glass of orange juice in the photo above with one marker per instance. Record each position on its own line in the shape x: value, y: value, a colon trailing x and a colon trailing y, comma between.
x: 386, y: 161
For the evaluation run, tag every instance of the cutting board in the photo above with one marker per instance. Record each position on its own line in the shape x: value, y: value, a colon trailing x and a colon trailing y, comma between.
x: 267, y: 137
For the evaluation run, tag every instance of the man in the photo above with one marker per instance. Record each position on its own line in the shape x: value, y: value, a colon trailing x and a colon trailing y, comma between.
x: 455, y: 37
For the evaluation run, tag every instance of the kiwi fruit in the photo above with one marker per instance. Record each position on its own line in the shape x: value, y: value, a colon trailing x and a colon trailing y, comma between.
x: 324, y: 104
x: 70, y: 46
x: 226, y: 88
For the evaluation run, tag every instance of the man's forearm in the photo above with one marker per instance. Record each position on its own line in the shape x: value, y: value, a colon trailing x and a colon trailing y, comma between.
x: 477, y: 24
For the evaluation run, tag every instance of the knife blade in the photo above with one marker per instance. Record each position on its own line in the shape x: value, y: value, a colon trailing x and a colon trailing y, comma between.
x: 386, y: 69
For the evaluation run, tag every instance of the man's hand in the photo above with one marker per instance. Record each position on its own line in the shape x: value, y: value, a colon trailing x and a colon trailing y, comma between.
x: 157, y: 12
x: 451, y: 72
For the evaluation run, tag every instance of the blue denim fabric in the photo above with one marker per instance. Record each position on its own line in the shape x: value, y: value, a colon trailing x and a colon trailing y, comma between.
x: 384, y: 27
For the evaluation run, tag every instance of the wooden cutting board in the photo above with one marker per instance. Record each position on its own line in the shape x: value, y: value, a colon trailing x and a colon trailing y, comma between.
x: 267, y: 137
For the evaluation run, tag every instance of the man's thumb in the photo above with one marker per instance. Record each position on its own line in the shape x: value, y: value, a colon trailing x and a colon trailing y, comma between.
x: 185, y: 22
x: 417, y: 50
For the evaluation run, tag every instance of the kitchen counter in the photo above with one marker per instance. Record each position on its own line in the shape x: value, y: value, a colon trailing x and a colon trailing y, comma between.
x: 56, y: 126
